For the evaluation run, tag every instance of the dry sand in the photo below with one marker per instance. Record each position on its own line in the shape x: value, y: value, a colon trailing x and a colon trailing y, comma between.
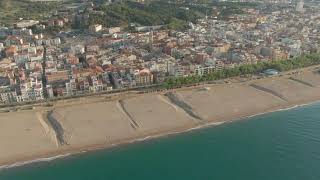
x: 291, y: 90
x: 90, y: 123
x: 226, y: 102
x: 81, y: 124
x: 309, y: 78
x: 22, y: 135
x: 153, y: 113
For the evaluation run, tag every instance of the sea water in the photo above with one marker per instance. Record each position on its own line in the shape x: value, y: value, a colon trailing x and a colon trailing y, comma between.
x: 283, y: 145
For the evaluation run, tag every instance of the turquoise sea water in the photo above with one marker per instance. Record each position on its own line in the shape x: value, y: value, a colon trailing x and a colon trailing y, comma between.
x: 284, y: 145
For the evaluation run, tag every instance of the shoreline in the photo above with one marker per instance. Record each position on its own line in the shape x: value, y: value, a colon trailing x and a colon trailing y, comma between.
x: 47, y: 157
x: 87, y: 124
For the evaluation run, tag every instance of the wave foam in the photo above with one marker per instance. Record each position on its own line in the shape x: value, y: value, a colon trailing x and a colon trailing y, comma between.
x: 46, y: 159
x: 278, y: 110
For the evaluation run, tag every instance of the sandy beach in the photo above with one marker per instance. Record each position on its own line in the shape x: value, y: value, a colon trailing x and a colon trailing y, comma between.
x: 77, y: 125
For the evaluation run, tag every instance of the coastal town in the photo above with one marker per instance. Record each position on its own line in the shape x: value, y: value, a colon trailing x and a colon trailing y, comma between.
x: 37, y: 64
x: 85, y: 75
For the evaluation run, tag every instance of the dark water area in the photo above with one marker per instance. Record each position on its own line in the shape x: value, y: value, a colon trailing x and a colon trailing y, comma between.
x: 283, y: 145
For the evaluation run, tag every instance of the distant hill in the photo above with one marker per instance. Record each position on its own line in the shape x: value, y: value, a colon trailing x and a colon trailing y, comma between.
x: 154, y: 12
x: 47, y: 0
x: 12, y: 10
x: 174, y: 15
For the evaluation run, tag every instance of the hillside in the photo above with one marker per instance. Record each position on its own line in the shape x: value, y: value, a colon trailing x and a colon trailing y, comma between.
x: 155, y: 13
x: 174, y: 15
x: 12, y: 10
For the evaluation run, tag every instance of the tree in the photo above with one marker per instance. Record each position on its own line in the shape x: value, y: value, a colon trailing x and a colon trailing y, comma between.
x: 281, y: 65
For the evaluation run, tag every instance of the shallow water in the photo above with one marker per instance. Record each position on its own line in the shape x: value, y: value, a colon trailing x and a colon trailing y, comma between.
x: 281, y: 145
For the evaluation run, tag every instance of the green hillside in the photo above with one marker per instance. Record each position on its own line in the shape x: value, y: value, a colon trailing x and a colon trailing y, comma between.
x: 160, y: 12
x: 12, y: 10
x: 154, y: 13
x: 175, y: 15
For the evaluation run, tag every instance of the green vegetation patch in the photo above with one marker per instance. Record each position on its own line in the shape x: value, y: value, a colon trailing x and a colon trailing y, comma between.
x: 153, y: 13
x: 12, y: 10
x: 248, y: 69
